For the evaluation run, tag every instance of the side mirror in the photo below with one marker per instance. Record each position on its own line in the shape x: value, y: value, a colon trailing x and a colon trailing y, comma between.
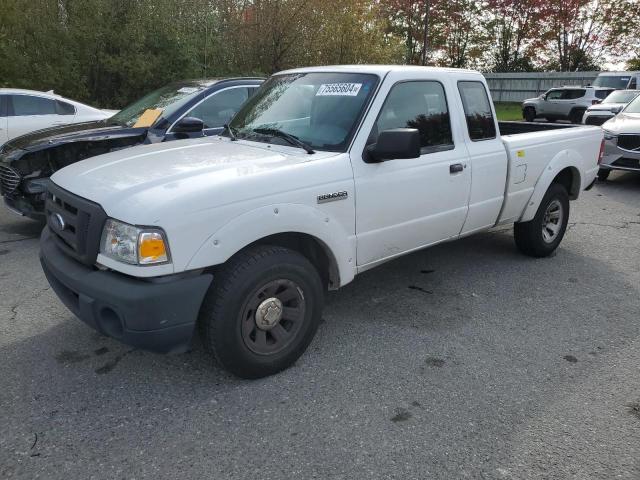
x: 394, y: 144
x: 189, y: 125
x: 616, y: 110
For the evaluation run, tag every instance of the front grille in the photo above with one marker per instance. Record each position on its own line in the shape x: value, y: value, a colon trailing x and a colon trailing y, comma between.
x: 594, y: 120
x: 629, y: 142
x: 75, y: 223
x: 627, y: 163
x: 9, y: 179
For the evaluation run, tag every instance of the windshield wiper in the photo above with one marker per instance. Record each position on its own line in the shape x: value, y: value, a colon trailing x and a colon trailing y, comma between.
x: 292, y: 139
x: 232, y: 134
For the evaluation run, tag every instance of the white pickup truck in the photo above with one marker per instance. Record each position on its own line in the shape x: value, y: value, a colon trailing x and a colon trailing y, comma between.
x: 325, y: 173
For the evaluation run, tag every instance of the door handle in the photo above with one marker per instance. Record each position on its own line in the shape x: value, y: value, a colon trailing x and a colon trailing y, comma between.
x: 456, y: 168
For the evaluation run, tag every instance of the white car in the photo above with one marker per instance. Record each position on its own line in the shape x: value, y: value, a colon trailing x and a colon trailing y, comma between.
x: 25, y: 111
x: 323, y: 174
x: 612, y: 105
x: 622, y: 141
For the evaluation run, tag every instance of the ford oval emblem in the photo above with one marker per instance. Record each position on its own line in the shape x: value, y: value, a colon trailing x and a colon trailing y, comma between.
x: 58, y: 222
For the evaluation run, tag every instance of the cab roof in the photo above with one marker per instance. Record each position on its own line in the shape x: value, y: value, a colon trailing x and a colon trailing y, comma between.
x: 377, y: 69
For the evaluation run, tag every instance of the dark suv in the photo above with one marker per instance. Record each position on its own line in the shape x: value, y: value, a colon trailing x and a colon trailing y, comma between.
x: 180, y: 110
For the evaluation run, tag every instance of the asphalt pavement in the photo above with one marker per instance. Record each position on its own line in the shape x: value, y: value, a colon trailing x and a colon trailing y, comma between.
x: 467, y: 360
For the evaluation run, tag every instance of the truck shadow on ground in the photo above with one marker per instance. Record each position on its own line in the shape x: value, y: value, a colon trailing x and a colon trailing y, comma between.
x: 448, y: 290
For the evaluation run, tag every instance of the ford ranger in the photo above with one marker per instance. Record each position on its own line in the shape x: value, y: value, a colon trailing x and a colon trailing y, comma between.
x: 324, y: 173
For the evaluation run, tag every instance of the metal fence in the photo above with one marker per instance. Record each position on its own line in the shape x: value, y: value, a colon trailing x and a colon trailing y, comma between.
x: 515, y: 87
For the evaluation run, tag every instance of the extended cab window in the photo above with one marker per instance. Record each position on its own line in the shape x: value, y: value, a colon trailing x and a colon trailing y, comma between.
x: 477, y: 110
x: 24, y: 105
x: 420, y: 105
x: 220, y: 107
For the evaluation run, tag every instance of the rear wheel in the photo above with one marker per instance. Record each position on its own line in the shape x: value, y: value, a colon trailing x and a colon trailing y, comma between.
x: 529, y: 114
x: 542, y: 235
x: 603, y: 174
x: 576, y: 116
x: 262, y: 311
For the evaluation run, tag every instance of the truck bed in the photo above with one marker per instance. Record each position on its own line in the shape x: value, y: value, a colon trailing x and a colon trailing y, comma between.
x: 515, y: 128
x: 533, y: 147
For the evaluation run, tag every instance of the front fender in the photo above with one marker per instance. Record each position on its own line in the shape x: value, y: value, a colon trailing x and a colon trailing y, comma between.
x: 564, y: 159
x: 274, y: 219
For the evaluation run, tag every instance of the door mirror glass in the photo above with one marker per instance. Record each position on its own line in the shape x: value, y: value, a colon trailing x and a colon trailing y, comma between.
x: 189, y: 125
x: 394, y: 144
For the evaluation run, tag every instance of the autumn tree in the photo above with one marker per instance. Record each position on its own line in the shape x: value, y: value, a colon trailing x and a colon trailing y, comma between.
x: 512, y: 28
x: 579, y: 33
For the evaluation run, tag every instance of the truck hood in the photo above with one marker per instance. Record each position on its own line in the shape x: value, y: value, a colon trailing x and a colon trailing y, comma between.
x: 623, y: 123
x: 54, y: 136
x: 184, y: 171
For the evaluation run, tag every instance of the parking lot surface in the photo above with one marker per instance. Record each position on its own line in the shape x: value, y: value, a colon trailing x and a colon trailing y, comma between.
x: 467, y: 360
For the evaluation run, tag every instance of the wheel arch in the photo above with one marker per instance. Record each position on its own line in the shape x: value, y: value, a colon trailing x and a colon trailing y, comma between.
x: 312, y: 248
x: 313, y: 233
x: 562, y: 170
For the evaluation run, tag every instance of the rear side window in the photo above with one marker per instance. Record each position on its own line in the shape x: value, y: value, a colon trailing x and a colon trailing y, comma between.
x: 220, y: 107
x: 477, y: 110
x: 633, y: 83
x: 24, y: 105
x: 3, y: 105
x: 64, y: 108
x: 419, y: 105
x: 602, y: 94
x: 573, y: 93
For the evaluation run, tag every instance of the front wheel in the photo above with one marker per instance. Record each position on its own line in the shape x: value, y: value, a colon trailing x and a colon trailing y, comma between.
x: 262, y: 311
x: 529, y: 114
x: 542, y: 235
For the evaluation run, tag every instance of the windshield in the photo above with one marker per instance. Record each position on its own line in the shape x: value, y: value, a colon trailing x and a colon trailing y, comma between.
x: 621, y: 96
x: 320, y: 109
x: 166, y: 99
x: 634, y: 106
x: 612, y: 81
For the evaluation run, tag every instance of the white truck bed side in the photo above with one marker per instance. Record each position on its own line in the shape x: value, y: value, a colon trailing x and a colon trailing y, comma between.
x: 536, y: 158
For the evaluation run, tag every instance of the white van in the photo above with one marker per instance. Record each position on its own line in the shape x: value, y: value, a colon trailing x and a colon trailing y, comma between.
x: 618, y: 80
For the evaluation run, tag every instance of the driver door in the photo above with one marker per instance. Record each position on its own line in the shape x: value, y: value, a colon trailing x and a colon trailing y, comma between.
x: 407, y: 204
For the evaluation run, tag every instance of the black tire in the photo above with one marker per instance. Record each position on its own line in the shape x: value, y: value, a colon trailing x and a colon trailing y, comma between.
x: 576, y: 116
x: 603, y: 174
x: 529, y: 114
x: 534, y: 240
x: 227, y: 323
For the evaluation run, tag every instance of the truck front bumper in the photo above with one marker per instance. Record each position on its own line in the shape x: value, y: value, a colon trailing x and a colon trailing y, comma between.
x: 156, y: 314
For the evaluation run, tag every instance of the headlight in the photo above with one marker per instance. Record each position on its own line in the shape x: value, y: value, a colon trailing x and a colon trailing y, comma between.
x: 134, y: 245
x: 609, y: 135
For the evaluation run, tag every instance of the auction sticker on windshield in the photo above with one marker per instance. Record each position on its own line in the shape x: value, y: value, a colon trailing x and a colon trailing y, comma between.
x: 344, y: 89
x: 148, y: 117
